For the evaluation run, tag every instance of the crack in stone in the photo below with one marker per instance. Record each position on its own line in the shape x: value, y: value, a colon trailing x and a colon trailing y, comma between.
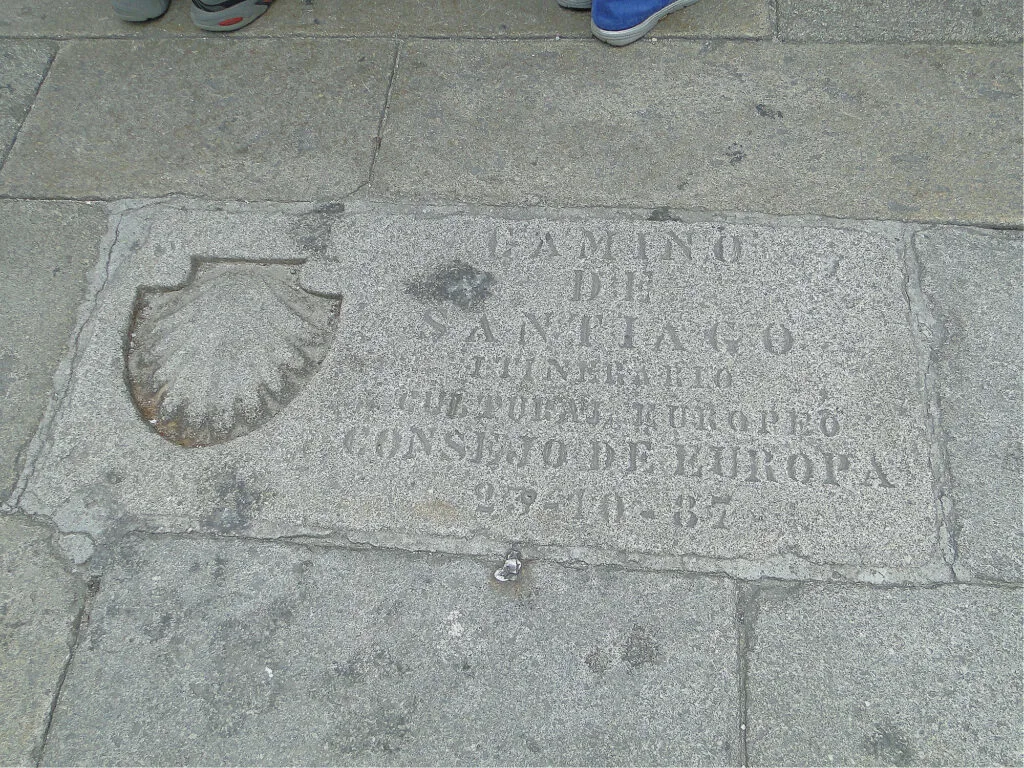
x: 785, y: 569
x: 928, y: 335
x: 747, y: 596
x: 78, y: 625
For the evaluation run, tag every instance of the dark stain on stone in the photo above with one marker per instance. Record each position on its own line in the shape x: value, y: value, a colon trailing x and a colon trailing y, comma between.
x: 736, y: 154
x: 766, y: 110
x: 597, y: 661
x: 280, y: 613
x: 114, y: 476
x: 888, y: 745
x: 312, y: 233
x: 459, y: 283
x: 372, y: 663
x: 220, y: 564
x: 641, y: 648
x: 662, y: 213
x: 900, y: 207
x: 236, y: 502
x: 158, y: 630
x: 1013, y: 458
x: 385, y: 729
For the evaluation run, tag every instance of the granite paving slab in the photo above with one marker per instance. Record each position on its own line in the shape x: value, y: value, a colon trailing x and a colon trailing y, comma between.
x: 915, y: 133
x: 276, y: 119
x: 215, y: 652
x: 722, y: 395
x: 885, y: 677
x: 69, y: 19
x: 46, y: 251
x: 40, y: 602
x: 388, y: 18
x: 973, y: 21
x: 22, y: 68
x: 972, y: 280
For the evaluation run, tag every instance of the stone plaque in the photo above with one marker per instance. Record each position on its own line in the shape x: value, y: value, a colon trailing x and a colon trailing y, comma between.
x: 738, y: 395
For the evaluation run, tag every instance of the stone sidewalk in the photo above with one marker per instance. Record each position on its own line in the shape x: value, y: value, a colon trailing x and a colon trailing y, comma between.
x: 305, y: 328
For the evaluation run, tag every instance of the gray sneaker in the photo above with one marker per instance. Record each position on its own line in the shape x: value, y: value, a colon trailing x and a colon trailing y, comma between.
x: 227, y: 15
x: 140, y: 10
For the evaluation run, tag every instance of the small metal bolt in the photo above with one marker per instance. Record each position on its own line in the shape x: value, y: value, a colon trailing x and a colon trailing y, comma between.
x: 513, y: 566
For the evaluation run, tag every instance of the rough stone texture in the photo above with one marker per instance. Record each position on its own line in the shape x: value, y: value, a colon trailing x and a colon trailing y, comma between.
x: 22, y: 68
x: 46, y: 250
x: 274, y: 119
x: 889, y: 132
x: 39, y: 606
x: 243, y: 653
x: 405, y: 18
x: 973, y: 283
x: 973, y: 21
x: 70, y: 19
x: 748, y: 393
x: 885, y: 677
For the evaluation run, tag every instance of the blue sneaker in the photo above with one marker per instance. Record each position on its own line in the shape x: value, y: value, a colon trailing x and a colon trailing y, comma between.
x: 621, y: 22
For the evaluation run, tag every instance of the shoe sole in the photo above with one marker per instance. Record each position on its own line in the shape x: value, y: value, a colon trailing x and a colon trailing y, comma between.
x: 631, y: 35
x: 575, y: 5
x: 230, y: 19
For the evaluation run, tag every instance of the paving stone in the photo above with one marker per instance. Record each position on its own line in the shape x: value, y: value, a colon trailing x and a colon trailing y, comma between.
x: 22, y: 68
x: 121, y: 118
x: 885, y: 677
x: 973, y: 282
x: 405, y: 18
x: 46, y: 250
x: 242, y: 653
x: 493, y: 18
x: 40, y: 601
x: 888, y: 132
x: 974, y: 21
x: 70, y: 19
x: 715, y: 391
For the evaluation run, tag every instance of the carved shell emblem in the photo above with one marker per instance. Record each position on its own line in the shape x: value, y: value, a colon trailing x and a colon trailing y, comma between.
x: 215, y: 359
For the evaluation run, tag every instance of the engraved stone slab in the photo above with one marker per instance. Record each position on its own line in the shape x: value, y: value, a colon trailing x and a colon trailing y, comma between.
x: 736, y: 395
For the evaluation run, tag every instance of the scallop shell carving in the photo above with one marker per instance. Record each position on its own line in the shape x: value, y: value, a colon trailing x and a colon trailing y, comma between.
x: 215, y: 359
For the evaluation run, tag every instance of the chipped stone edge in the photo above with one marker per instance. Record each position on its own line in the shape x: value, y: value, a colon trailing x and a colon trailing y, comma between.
x: 129, y: 222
